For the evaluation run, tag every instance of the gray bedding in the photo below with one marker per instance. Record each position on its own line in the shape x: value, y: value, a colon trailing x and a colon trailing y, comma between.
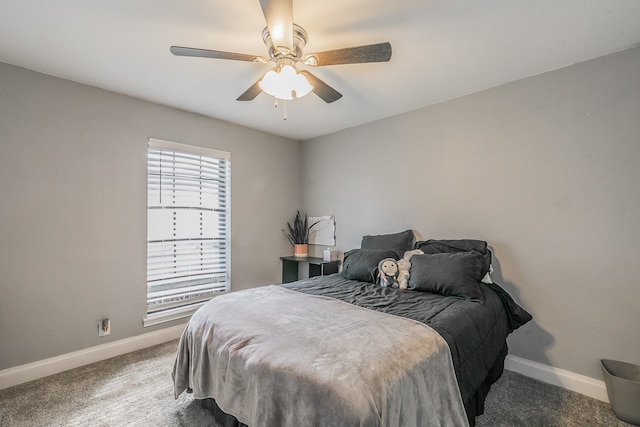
x: 476, y: 332
x: 276, y: 357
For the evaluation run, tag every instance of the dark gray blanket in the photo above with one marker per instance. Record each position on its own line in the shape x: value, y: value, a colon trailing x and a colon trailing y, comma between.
x: 274, y: 357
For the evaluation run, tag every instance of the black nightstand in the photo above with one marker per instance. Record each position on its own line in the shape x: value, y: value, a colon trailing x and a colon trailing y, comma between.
x: 317, y: 267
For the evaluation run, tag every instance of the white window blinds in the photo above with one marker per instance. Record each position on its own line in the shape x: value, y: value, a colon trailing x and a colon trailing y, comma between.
x: 188, y: 215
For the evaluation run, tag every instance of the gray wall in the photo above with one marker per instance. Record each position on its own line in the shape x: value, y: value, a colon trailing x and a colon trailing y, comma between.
x: 546, y: 169
x: 73, y: 209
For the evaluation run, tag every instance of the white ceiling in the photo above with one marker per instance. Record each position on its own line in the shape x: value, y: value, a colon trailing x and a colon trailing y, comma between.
x: 441, y: 50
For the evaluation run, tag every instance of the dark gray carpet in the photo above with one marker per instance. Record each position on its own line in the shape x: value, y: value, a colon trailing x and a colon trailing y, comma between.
x: 136, y: 390
x: 130, y: 390
x: 516, y: 400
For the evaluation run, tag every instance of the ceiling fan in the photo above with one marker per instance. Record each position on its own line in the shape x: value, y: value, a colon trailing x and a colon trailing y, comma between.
x: 285, y: 43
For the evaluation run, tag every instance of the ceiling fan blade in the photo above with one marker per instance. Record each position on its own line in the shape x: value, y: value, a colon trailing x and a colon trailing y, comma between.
x: 379, y: 52
x: 205, y: 53
x: 251, y: 93
x: 320, y: 88
x: 279, y: 17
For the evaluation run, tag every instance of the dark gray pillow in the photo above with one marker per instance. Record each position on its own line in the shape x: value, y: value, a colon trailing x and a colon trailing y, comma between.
x: 452, y: 274
x: 397, y: 242
x: 361, y: 264
x: 461, y: 245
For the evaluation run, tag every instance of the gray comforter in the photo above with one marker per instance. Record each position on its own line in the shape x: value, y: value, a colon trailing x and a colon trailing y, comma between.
x: 276, y: 357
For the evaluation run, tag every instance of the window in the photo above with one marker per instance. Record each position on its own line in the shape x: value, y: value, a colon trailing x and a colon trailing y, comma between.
x: 188, y: 215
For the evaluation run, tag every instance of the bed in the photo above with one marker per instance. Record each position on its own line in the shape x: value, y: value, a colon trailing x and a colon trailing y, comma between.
x: 342, y: 350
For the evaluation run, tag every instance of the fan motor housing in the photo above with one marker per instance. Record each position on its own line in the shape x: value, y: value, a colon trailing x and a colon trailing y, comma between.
x: 299, y: 42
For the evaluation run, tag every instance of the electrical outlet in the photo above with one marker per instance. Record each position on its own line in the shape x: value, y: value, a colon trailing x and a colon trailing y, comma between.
x: 104, y: 327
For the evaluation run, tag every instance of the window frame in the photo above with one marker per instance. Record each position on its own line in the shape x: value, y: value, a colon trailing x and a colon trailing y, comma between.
x: 189, y: 307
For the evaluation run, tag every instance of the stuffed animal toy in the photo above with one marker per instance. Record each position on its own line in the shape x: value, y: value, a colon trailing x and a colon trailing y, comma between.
x: 388, y: 273
x: 403, y: 267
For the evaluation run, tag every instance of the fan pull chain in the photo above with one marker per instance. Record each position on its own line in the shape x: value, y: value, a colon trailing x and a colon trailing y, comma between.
x: 284, y: 112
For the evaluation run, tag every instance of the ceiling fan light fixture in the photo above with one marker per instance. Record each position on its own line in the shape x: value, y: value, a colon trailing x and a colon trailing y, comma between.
x: 285, y: 84
x: 285, y: 42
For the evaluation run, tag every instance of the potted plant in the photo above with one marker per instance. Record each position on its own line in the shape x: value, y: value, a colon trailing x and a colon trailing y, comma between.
x: 298, y: 234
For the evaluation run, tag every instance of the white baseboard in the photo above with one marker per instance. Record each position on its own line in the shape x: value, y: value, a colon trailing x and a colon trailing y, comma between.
x: 558, y: 377
x: 42, y: 368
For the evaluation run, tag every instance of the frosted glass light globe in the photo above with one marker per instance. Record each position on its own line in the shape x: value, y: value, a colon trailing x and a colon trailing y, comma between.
x: 287, y: 84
